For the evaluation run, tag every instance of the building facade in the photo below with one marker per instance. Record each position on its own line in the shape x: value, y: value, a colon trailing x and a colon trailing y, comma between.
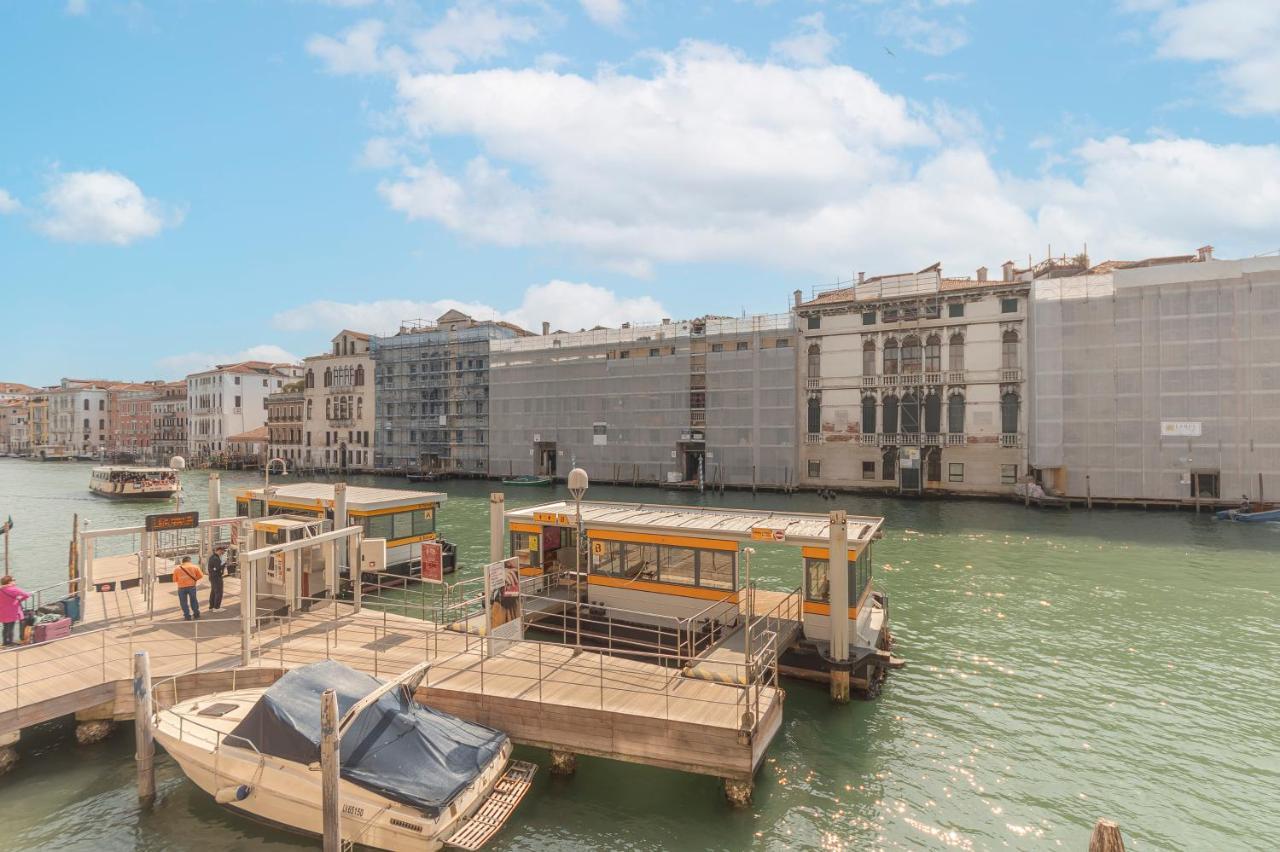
x: 130, y: 419
x: 915, y: 382
x: 285, y: 424
x: 710, y: 400
x: 431, y: 382
x: 230, y: 399
x: 78, y: 420
x: 339, y: 405
x: 1159, y: 379
x: 169, y: 421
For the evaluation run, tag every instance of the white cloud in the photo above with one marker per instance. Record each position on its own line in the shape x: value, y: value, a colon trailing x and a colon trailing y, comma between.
x: 102, y: 207
x: 923, y: 30
x: 606, y: 13
x: 174, y: 366
x: 1238, y: 37
x: 808, y: 44
x: 469, y: 32
x: 8, y: 204
x: 75, y: 8
x: 565, y: 304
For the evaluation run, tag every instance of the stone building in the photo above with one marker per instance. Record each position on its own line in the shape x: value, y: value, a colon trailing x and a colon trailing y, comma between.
x: 286, y: 424
x: 230, y: 399
x: 338, y: 416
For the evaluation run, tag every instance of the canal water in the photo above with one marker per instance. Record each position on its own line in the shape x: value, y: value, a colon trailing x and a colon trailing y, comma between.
x: 1062, y: 666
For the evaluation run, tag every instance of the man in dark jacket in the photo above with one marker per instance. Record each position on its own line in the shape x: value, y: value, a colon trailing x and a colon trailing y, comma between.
x: 215, y: 571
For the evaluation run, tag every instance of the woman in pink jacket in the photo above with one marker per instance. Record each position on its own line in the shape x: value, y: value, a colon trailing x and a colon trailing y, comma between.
x: 11, y: 598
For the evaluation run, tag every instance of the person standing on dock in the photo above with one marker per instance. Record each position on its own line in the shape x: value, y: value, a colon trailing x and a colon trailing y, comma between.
x: 11, y: 598
x: 216, y: 570
x: 186, y: 575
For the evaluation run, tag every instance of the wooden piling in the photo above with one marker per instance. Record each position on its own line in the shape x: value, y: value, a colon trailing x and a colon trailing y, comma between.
x: 329, y: 757
x: 1106, y: 837
x: 1088, y: 493
x: 144, y: 752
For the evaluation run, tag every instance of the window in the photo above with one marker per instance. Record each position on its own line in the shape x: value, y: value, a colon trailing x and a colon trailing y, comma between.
x: 932, y: 310
x: 891, y: 358
x: 911, y: 353
x: 624, y: 354
x: 1009, y: 351
x: 679, y: 565
x: 955, y: 414
x: 1009, y: 408
x: 102, y: 405
x: 955, y: 309
x: 717, y: 347
x: 868, y: 470
x: 782, y: 343
x: 955, y: 353
x: 933, y: 354
x: 814, y: 361
x: 889, y: 464
x: 814, y: 415
x: 889, y: 417
x: 890, y: 315
x: 102, y: 424
x: 815, y: 468
x: 933, y: 414
x: 653, y: 353
x: 815, y: 321
x: 742, y: 346
x: 1008, y: 474
x: 1205, y: 484
x: 86, y: 405
x: 910, y: 413
x: 955, y: 472
x: 869, y: 358
x: 1008, y: 306
x: 869, y: 318
x: 237, y: 402
x: 817, y: 583
x: 868, y: 415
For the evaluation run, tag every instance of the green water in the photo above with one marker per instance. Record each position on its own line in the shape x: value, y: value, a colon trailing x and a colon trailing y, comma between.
x: 1062, y: 667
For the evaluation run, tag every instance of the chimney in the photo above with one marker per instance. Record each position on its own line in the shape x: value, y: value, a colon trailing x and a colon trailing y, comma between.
x: 982, y: 274
x: 666, y: 320
x: 546, y: 328
x: 1205, y: 253
x: 626, y: 325
x: 862, y: 276
x: 1007, y: 267
x: 795, y: 297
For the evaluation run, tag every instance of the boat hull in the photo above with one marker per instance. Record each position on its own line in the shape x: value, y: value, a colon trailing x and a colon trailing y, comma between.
x: 1271, y: 515
x: 530, y: 481
x: 137, y: 495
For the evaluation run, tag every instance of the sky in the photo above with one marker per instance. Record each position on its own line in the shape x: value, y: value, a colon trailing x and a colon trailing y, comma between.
x: 192, y: 182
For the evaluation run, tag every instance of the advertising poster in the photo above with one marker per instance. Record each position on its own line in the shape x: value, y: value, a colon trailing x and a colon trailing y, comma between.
x: 432, y: 562
x: 502, y: 602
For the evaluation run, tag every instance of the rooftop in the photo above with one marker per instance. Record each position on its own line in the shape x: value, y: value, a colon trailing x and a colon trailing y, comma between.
x: 322, y: 492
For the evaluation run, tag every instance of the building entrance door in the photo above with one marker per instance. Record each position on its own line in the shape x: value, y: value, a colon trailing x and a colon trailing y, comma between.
x: 547, y: 458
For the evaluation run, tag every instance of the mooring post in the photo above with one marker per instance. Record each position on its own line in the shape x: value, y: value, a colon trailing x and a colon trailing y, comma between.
x: 354, y: 571
x: 215, y: 495
x: 497, y: 508
x: 737, y: 792
x: 563, y: 762
x: 144, y: 735
x: 1088, y: 493
x: 1106, y: 837
x: 329, y: 757
x: 9, y: 750
x: 838, y: 578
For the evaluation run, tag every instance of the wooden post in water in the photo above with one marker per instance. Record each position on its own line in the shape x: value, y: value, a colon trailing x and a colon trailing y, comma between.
x: 1088, y: 493
x: 144, y: 752
x: 497, y: 510
x: 1106, y: 837
x: 329, y: 758
x: 1262, y: 500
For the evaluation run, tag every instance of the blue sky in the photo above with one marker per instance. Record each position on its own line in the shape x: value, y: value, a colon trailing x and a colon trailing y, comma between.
x: 187, y: 182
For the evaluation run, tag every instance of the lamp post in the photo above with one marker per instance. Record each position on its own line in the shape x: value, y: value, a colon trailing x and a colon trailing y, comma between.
x: 266, y: 482
x: 578, y: 484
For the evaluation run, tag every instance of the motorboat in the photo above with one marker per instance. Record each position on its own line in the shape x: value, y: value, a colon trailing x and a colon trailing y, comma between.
x: 133, y: 483
x: 411, y: 777
x: 1249, y: 517
x: 528, y: 479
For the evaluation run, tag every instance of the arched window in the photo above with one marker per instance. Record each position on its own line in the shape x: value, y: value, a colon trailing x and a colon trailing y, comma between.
x: 311, y: 378
x: 910, y: 413
x: 328, y: 377
x: 815, y: 415
x: 869, y: 358
x: 359, y: 408
x: 933, y: 464
x: 911, y: 355
x: 955, y: 352
x: 308, y: 409
x: 1009, y: 351
x: 955, y: 414
x: 359, y: 374
x: 814, y: 361
x: 889, y: 463
x: 933, y: 414
x: 328, y: 409
x: 1010, y: 403
x: 868, y: 415
x: 890, y: 415
x: 891, y: 358
x: 933, y: 354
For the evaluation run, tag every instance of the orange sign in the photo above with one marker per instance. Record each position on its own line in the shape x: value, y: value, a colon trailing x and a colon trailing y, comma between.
x: 552, y: 518
x: 766, y: 534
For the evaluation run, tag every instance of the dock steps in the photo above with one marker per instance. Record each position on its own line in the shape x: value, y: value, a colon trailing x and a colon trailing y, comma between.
x: 497, y: 807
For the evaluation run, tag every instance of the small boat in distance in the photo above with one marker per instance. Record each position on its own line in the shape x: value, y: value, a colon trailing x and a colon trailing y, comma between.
x: 1257, y: 516
x: 134, y: 483
x: 410, y: 777
x: 528, y: 479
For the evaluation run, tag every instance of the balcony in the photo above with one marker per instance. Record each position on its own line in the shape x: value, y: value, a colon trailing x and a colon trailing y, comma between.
x: 931, y: 439
x: 1011, y: 439
x: 868, y: 439
x: 933, y: 378
x: 813, y: 438
x: 868, y: 381
x: 955, y: 440
x: 890, y: 379
x: 955, y: 377
x: 812, y: 384
x: 1011, y: 375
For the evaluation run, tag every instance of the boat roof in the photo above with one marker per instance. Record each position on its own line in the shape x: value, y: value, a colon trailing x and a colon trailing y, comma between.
x: 116, y: 468
x: 321, y: 493
x: 710, y: 522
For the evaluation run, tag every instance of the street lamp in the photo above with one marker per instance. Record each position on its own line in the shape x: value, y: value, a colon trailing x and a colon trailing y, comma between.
x: 266, y: 482
x: 178, y: 463
x: 578, y: 484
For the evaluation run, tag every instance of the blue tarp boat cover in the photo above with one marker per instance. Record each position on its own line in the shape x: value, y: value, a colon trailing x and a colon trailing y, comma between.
x: 395, y: 747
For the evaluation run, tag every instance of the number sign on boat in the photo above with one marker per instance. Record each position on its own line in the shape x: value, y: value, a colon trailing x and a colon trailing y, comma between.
x: 173, y: 521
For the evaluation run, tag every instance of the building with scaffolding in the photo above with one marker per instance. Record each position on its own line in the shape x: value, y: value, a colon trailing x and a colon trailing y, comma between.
x: 1158, y: 380
x: 431, y: 386
x: 915, y: 382
x: 709, y: 401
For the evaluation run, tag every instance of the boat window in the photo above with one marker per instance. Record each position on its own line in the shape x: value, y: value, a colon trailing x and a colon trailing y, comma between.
x: 818, y: 580
x: 642, y: 561
x: 679, y: 565
x: 817, y: 586
x: 606, y: 558
x: 715, y: 568
x: 377, y: 526
x: 424, y: 521
x: 522, y: 542
x: 402, y: 525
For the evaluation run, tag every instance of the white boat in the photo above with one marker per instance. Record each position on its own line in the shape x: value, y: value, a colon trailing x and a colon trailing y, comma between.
x: 411, y: 777
x: 133, y: 482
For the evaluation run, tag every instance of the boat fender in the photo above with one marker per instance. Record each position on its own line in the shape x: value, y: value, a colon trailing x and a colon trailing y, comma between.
x: 233, y: 794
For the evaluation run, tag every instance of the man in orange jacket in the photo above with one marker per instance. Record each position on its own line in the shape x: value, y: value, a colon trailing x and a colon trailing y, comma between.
x: 186, y: 575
